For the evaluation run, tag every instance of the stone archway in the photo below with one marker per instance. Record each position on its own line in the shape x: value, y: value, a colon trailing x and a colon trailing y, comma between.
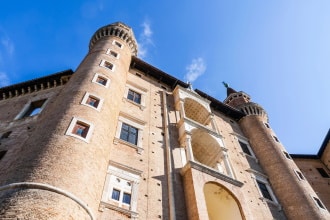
x: 220, y: 203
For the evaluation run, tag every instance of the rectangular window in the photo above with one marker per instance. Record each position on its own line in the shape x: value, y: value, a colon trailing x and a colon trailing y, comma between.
x: 2, y: 154
x: 245, y: 148
x: 129, y: 133
x: 115, y: 194
x: 319, y: 203
x: 300, y: 175
x: 101, y: 80
x: 264, y: 190
x: 134, y: 96
x: 34, y: 108
x: 127, y: 198
x: 276, y: 139
x: 107, y: 65
x: 323, y: 173
x: 112, y: 53
x: 267, y: 125
x: 117, y: 44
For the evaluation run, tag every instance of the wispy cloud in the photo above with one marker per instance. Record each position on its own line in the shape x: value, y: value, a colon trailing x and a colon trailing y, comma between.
x: 145, y: 39
x: 7, y: 47
x: 195, y: 69
x: 4, y: 79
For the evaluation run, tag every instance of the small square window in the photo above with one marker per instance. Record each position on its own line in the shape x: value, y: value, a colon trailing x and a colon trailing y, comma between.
x: 112, y: 53
x: 101, y: 80
x: 129, y: 133
x: 127, y: 198
x: 115, y: 194
x: 323, y: 173
x: 264, y: 190
x: 2, y: 154
x: 319, y: 203
x: 80, y: 129
x: 134, y: 96
x: 107, y: 65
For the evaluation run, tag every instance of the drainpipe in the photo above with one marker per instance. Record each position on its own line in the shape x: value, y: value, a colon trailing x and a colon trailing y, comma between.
x: 168, y: 161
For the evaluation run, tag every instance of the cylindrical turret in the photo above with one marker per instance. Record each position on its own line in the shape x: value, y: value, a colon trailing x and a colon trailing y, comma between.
x: 294, y: 194
x: 66, y: 157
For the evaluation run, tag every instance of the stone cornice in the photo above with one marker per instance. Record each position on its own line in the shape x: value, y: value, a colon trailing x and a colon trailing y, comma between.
x: 35, y: 85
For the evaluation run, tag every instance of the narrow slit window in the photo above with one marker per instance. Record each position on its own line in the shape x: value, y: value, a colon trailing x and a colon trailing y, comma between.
x: 107, y: 65
x: 287, y: 155
x: 117, y: 44
x: 112, y: 53
x: 6, y: 135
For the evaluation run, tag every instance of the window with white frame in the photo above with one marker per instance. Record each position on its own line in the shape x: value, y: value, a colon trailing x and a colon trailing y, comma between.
x: 101, y: 80
x: 264, y: 188
x: 245, y: 147
x: 121, y: 189
x: 135, y: 94
x: 80, y: 129
x: 92, y: 101
x: 318, y: 202
x: 117, y: 44
x: 287, y: 155
x: 130, y: 131
x: 107, y: 64
x: 299, y: 175
x: 32, y: 108
x: 113, y: 53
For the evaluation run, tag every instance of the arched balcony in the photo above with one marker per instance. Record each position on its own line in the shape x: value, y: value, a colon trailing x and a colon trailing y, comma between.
x: 196, y: 111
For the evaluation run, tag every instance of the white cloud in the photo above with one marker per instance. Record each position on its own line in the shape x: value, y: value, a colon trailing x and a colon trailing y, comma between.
x: 195, y: 69
x: 7, y: 47
x: 145, y: 39
x: 4, y: 79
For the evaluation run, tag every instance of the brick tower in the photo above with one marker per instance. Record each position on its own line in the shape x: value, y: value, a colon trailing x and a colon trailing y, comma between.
x: 295, y: 196
x: 59, y: 170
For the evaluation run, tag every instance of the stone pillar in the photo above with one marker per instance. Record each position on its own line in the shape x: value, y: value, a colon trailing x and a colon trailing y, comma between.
x: 189, y: 150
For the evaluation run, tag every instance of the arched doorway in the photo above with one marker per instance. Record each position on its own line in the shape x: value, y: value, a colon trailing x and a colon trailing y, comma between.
x: 220, y: 203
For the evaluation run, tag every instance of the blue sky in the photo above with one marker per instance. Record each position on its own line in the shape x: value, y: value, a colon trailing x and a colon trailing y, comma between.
x: 276, y: 51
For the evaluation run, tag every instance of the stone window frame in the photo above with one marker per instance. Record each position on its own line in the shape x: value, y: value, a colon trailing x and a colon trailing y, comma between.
x: 287, y: 155
x: 118, y: 44
x: 318, y: 202
x: 73, y: 123
x: 138, y: 89
x: 134, y: 122
x: 245, y: 141
x: 299, y: 174
x: 128, y: 174
x: 108, y: 52
x: 26, y: 108
x: 263, y: 179
x: 97, y: 75
x: 85, y: 98
x: 104, y: 63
